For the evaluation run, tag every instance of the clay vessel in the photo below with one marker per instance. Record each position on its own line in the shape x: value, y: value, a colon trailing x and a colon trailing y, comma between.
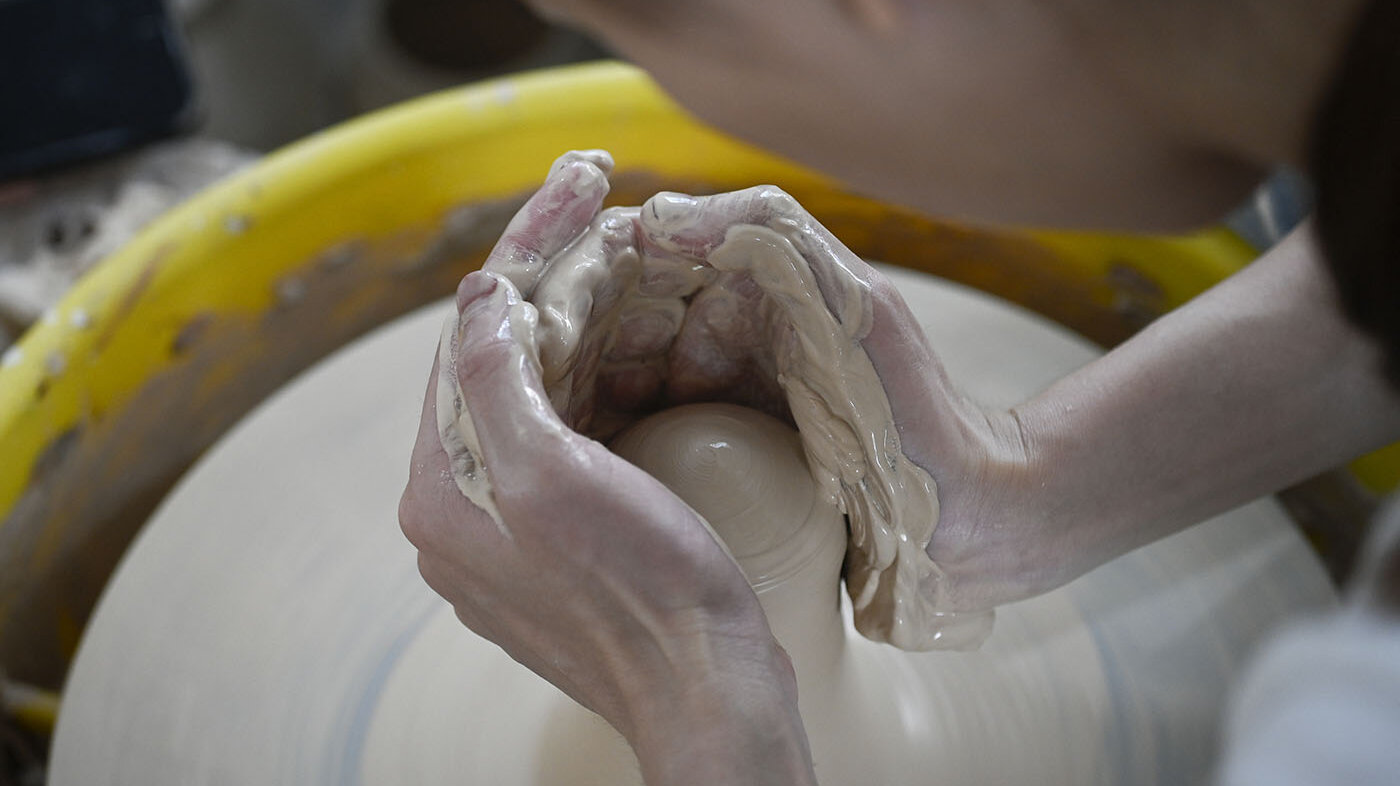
x: 745, y: 473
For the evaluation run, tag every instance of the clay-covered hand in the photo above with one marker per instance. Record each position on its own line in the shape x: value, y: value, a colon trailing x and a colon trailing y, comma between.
x: 585, y: 569
x: 986, y: 546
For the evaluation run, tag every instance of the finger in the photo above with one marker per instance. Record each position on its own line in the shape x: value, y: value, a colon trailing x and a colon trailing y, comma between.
x: 582, y: 287
x: 418, y: 515
x: 553, y: 218
x: 698, y: 226
x: 862, y: 299
x: 728, y: 347
x: 645, y: 328
x: 433, y: 513
x: 427, y: 446
x: 519, y: 440
x: 667, y: 273
x: 921, y: 396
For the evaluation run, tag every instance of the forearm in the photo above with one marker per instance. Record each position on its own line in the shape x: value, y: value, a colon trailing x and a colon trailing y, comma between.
x: 1253, y: 386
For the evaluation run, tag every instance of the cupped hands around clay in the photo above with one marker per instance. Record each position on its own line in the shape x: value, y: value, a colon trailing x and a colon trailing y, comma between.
x: 742, y: 298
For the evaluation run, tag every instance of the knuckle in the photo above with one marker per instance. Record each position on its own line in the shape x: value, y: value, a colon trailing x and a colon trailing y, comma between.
x: 617, y: 217
x: 525, y: 255
x: 583, y: 174
x: 431, y: 514
x: 883, y: 291
x: 412, y: 522
x: 544, y: 484
x: 776, y: 202
x: 618, y: 225
x: 483, y: 357
x: 430, y: 569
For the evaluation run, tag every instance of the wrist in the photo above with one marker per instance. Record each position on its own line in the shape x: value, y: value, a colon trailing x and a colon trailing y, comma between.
x: 729, y: 716
x: 1002, y: 534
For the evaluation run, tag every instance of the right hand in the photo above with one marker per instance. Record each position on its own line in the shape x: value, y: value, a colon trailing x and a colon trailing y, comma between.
x: 990, y: 542
x: 580, y: 566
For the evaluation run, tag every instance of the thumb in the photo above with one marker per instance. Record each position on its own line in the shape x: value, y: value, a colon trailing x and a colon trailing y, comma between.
x: 497, y: 427
x: 928, y: 411
x: 552, y: 218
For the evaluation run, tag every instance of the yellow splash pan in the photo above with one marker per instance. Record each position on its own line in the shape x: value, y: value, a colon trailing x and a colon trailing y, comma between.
x: 151, y: 357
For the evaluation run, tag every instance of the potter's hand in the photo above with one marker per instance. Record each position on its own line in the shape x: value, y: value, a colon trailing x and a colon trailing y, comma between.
x: 604, y: 316
x: 1183, y: 422
x: 591, y: 573
x: 976, y: 457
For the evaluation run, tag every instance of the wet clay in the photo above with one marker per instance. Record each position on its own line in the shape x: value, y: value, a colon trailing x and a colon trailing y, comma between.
x: 832, y: 392
x: 744, y: 472
x: 853, y: 449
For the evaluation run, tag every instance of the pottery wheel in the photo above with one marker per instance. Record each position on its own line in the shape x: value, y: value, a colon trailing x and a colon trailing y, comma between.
x: 270, y: 626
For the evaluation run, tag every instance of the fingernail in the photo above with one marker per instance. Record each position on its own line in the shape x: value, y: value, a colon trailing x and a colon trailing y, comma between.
x: 599, y: 159
x: 476, y: 286
x: 671, y: 212
x: 487, y: 315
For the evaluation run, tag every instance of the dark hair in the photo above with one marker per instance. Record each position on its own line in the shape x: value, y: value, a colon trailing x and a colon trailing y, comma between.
x: 1354, y: 158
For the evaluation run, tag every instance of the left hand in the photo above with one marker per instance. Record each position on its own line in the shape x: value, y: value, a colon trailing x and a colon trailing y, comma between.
x: 595, y: 577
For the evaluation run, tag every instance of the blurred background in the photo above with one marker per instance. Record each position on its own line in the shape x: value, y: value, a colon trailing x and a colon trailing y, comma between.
x: 244, y: 77
x: 270, y: 71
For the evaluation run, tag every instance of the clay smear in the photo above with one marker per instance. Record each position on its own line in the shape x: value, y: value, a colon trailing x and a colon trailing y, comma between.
x: 842, y: 415
x: 455, y: 427
x: 853, y: 450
